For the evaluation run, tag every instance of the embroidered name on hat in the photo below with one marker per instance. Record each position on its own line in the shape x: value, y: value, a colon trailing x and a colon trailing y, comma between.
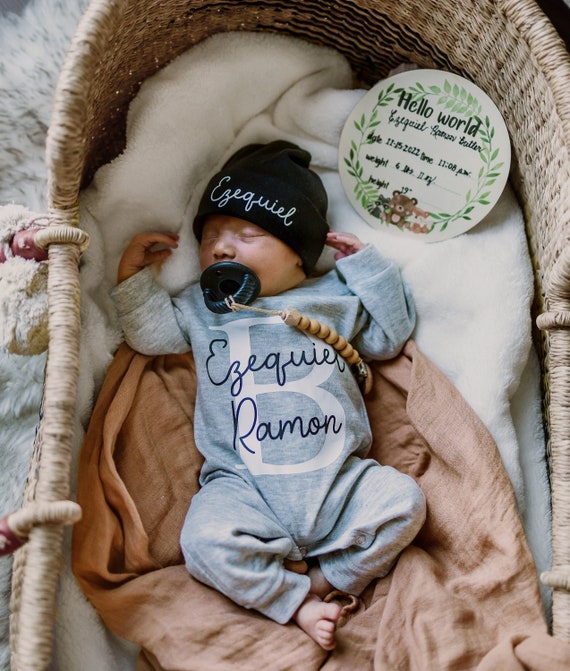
x: 251, y: 200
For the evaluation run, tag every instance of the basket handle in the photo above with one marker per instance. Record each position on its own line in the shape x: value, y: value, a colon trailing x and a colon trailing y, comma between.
x: 61, y: 234
x: 557, y: 315
x: 16, y: 527
x: 556, y: 319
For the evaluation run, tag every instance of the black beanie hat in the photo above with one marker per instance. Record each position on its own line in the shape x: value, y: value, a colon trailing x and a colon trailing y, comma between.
x: 272, y: 186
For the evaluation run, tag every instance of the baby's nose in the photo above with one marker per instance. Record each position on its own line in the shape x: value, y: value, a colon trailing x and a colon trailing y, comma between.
x: 224, y: 248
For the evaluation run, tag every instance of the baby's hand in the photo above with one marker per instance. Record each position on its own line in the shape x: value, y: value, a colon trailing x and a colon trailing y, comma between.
x: 140, y: 254
x: 346, y: 244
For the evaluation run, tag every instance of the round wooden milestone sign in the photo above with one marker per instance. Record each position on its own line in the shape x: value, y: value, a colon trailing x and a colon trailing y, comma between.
x: 425, y: 153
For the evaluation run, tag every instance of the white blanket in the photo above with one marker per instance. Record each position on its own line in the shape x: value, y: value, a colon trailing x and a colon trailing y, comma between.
x: 473, y: 293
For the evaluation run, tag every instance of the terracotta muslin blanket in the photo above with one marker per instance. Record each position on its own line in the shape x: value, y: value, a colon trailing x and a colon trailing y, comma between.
x: 463, y: 596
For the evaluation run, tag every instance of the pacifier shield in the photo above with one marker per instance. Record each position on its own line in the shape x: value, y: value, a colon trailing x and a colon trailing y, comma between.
x: 226, y: 279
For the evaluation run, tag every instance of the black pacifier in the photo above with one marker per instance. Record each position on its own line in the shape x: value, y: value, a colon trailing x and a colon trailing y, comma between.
x: 227, y: 279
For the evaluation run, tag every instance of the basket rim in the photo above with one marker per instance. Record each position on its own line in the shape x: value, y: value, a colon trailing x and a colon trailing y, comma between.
x: 65, y: 145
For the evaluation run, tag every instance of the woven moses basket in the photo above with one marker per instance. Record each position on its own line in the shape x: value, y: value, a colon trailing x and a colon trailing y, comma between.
x: 507, y: 47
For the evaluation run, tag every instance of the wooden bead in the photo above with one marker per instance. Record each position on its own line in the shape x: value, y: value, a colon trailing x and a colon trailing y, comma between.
x: 340, y: 344
x: 292, y: 317
x: 352, y: 358
x: 314, y: 326
x: 324, y: 331
x: 332, y: 337
x: 346, y: 353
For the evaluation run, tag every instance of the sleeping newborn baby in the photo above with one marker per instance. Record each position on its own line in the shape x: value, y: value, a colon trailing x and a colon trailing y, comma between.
x: 280, y: 418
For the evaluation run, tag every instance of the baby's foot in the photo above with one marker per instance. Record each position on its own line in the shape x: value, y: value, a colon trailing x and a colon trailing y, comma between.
x: 318, y: 619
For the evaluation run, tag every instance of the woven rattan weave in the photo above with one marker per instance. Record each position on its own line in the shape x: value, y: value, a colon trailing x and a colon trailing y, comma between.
x: 507, y: 47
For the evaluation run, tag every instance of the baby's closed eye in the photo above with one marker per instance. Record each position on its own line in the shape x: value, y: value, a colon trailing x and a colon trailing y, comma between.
x: 248, y: 235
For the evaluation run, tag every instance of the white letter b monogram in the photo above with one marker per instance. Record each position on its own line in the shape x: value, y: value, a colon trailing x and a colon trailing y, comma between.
x: 245, y: 403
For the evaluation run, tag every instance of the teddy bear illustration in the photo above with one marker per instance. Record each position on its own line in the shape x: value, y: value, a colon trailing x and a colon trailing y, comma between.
x: 403, y: 212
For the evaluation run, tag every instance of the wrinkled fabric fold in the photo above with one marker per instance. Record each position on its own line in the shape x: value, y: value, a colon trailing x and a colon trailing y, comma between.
x: 463, y: 595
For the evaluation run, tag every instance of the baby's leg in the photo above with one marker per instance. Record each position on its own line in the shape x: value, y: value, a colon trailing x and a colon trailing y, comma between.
x: 232, y: 541
x: 384, y: 513
x: 320, y: 586
x: 318, y: 619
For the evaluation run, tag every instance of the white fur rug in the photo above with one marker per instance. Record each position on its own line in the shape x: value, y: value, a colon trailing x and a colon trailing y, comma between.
x: 34, y: 46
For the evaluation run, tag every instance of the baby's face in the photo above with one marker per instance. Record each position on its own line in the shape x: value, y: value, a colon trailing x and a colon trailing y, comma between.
x: 227, y: 238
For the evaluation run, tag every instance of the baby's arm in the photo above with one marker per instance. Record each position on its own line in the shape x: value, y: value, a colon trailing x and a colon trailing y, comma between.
x: 385, y: 297
x: 146, y: 311
x: 140, y: 253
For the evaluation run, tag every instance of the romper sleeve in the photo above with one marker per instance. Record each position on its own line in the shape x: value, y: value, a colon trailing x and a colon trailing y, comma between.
x: 148, y: 316
x: 389, y: 313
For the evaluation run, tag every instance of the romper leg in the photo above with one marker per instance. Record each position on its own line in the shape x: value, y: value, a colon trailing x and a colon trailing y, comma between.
x: 381, y: 516
x: 232, y: 541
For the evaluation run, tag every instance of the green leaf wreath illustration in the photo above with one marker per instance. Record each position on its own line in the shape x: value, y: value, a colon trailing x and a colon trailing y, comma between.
x: 486, y: 177
x: 367, y: 193
x: 455, y: 100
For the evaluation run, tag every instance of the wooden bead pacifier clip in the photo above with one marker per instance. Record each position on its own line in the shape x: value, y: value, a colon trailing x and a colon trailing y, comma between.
x: 228, y: 287
x: 293, y: 317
